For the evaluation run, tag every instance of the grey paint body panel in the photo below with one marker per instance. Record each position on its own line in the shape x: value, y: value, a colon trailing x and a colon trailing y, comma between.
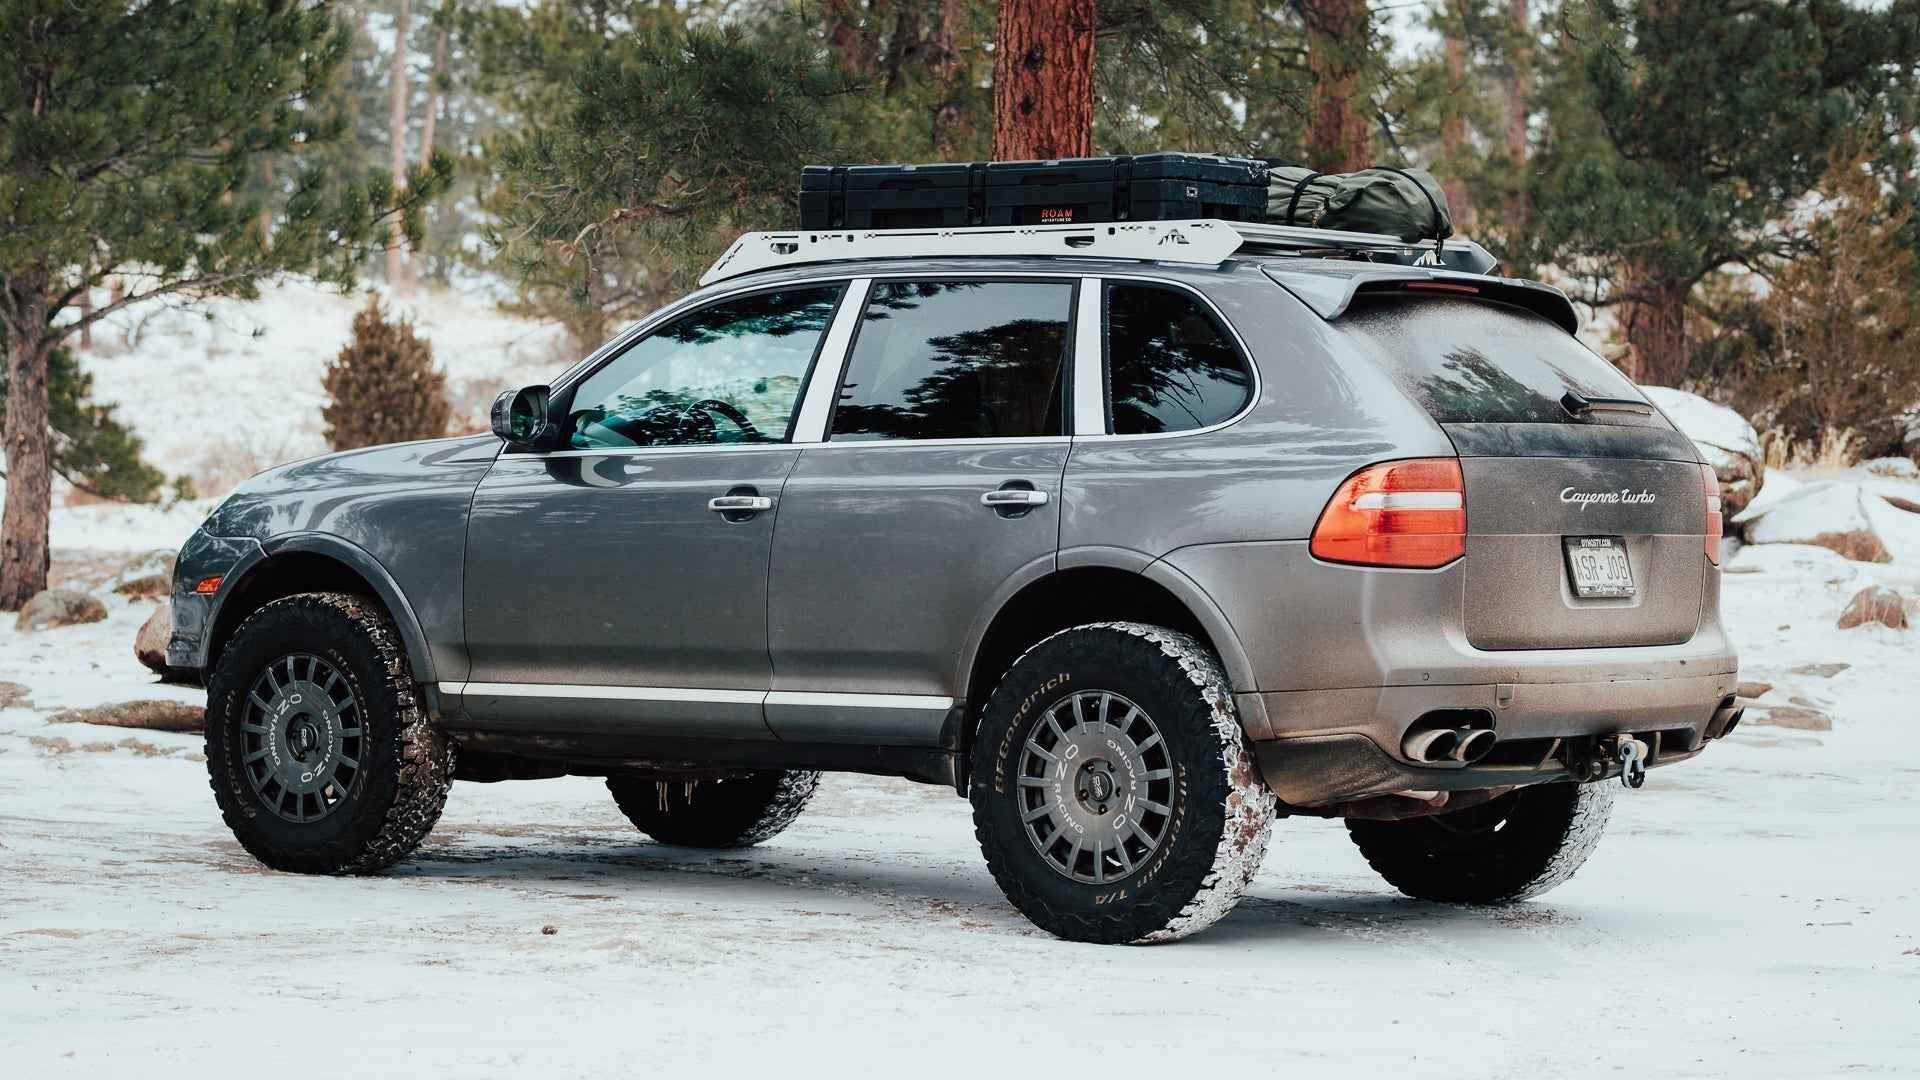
x: 592, y: 601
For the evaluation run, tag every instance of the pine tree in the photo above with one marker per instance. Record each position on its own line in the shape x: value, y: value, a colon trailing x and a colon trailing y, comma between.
x: 1043, y: 56
x: 383, y: 388
x: 90, y: 449
x: 1682, y: 133
x: 131, y: 137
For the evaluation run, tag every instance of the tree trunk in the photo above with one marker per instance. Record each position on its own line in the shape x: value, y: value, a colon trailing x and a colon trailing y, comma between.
x: 1653, y: 320
x: 397, y: 151
x: 1519, y: 85
x: 1453, y: 134
x: 24, y: 556
x: 843, y: 31
x: 426, y: 131
x: 1043, y: 80
x: 1337, y: 38
x: 266, y: 204
x: 946, y: 113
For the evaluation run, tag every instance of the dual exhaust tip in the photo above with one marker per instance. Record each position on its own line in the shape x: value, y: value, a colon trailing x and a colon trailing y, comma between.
x: 1463, y: 737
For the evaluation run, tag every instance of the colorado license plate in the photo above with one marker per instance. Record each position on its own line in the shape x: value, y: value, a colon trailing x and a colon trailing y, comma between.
x: 1597, y: 566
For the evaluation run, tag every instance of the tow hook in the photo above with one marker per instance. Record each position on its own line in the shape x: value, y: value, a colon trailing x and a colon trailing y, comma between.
x: 1632, y: 755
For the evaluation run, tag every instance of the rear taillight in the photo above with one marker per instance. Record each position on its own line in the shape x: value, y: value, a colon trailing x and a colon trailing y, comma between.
x: 1714, y: 527
x: 1401, y: 513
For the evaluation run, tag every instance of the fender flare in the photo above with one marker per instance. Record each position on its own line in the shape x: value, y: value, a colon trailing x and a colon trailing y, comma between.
x: 1152, y: 568
x: 412, y: 637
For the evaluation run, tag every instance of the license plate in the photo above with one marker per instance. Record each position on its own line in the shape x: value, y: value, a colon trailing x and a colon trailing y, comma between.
x: 1597, y: 566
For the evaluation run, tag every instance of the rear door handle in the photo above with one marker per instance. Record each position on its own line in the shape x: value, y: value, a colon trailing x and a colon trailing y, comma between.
x: 738, y: 504
x: 1013, y: 497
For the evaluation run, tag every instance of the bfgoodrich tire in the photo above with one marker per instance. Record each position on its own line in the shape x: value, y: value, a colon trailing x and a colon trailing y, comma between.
x: 320, y: 756
x: 1514, y: 847
x: 733, y: 812
x: 1113, y: 794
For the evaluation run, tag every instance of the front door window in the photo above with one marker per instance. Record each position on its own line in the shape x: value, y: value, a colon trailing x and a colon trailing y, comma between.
x: 729, y: 373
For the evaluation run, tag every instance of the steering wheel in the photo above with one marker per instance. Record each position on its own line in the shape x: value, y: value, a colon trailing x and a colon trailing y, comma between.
x: 738, y: 418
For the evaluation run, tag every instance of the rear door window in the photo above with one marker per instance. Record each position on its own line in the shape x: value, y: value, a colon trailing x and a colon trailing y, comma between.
x: 1474, y: 362
x: 1171, y: 366
x: 958, y: 360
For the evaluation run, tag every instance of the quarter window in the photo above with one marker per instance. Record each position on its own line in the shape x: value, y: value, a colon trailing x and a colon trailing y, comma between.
x: 958, y: 360
x: 1170, y: 365
x: 728, y: 373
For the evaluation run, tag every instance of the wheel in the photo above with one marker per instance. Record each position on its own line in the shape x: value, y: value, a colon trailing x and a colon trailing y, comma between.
x: 734, y: 812
x: 1516, y: 846
x: 319, y: 753
x: 1113, y: 794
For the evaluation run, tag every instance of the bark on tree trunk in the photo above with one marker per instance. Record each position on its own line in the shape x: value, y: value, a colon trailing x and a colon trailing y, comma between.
x: 1453, y: 136
x: 844, y: 33
x: 1653, y: 320
x: 397, y: 151
x: 426, y: 132
x: 1519, y: 85
x: 1043, y: 80
x: 1337, y: 33
x: 24, y: 557
x: 946, y: 113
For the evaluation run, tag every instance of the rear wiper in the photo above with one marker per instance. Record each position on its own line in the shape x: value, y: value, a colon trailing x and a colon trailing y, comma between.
x: 1578, y: 404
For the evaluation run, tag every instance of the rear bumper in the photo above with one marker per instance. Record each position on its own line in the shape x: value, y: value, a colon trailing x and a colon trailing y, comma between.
x: 1343, y: 745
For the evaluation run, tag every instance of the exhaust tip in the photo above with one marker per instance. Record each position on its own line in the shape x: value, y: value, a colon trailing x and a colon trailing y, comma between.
x: 1433, y: 744
x: 1474, y: 744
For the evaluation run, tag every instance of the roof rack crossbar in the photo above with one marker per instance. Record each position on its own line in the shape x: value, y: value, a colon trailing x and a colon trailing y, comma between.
x: 1204, y: 241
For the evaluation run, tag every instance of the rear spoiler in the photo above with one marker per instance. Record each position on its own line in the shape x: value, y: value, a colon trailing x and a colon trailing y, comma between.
x: 1330, y: 290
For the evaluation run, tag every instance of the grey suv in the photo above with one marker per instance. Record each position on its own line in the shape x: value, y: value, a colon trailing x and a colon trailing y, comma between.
x: 1135, y: 536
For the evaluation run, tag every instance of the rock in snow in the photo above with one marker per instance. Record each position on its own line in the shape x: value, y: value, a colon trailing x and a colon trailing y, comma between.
x: 58, y: 607
x: 153, y: 715
x: 1726, y: 441
x: 150, y: 644
x: 1874, y: 604
x: 1829, y: 514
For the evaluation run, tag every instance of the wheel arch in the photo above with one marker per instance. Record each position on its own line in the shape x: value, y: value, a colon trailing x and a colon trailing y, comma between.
x: 1086, y: 585
x: 286, y: 566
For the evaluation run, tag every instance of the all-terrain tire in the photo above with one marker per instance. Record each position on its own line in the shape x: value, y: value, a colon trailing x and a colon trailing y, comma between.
x: 1210, y: 832
x: 733, y: 812
x: 1500, y: 852
x: 402, y: 764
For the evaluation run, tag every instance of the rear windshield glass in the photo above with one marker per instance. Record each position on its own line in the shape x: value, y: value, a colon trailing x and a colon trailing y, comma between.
x: 1471, y: 362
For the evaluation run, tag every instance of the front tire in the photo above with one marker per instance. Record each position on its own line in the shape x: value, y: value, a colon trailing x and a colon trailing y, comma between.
x: 732, y: 812
x: 1500, y: 852
x: 320, y: 755
x: 1113, y: 793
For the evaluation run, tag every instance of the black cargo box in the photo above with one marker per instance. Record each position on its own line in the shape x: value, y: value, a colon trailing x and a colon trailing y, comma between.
x: 1150, y: 187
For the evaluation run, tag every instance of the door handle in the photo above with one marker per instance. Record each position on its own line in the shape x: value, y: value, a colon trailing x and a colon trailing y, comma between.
x: 738, y: 504
x: 1005, y: 497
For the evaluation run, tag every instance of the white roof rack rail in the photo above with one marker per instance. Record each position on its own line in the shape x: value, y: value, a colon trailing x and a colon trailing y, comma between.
x: 1205, y: 241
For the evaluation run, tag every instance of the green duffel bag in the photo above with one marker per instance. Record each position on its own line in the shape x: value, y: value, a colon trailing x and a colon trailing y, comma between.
x: 1406, y: 203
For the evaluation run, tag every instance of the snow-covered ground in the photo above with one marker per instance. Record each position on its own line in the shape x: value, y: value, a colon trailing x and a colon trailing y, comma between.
x: 1754, y: 913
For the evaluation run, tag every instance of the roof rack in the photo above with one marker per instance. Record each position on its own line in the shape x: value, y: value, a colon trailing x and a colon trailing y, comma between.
x: 1204, y: 241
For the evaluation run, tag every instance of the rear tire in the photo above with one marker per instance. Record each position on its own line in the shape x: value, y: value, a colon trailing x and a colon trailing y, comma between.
x: 320, y: 756
x: 1113, y: 794
x: 734, y: 812
x: 1500, y: 852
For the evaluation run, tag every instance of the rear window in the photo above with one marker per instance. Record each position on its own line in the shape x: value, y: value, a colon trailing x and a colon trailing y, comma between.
x: 1473, y: 362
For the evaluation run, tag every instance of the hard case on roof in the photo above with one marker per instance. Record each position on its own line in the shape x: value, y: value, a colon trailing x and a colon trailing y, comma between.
x: 1149, y: 187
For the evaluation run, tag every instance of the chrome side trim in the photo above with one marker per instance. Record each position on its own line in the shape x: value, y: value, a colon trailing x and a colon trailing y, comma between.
x: 928, y: 702
x: 1089, y: 362
x: 607, y: 693
x: 823, y: 385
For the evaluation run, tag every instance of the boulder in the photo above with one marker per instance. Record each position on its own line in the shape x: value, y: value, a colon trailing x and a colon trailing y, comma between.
x: 58, y: 607
x: 152, y: 715
x: 1725, y: 440
x: 150, y: 644
x: 158, y: 562
x: 151, y: 587
x: 1874, y: 604
x: 1897, y: 468
x: 1829, y: 514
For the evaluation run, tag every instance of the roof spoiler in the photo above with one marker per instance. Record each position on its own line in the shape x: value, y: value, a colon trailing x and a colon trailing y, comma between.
x: 1329, y: 294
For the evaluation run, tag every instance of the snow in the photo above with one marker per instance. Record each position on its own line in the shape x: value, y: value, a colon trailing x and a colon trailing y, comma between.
x: 1752, y: 913
x: 1826, y: 506
x: 1721, y: 434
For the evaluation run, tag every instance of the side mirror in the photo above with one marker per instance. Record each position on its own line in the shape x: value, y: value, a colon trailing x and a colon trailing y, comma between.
x: 520, y: 417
